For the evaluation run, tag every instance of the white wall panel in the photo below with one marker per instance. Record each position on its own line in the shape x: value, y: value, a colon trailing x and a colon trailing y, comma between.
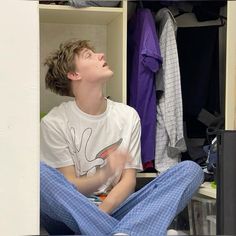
x: 19, y: 119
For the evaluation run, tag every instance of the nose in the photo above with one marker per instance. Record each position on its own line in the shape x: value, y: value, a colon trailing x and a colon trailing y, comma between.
x: 101, y: 56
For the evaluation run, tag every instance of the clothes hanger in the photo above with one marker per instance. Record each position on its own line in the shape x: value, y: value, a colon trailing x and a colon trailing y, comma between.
x: 222, y: 18
x: 181, y: 12
x: 140, y: 3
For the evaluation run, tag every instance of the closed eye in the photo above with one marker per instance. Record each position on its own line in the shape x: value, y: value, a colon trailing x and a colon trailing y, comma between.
x: 88, y: 55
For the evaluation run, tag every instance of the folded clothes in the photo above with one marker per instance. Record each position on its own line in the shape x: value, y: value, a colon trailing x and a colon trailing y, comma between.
x: 79, y: 3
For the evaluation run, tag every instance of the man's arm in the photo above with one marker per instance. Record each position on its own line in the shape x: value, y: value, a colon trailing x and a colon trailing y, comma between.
x: 85, y: 184
x: 120, y: 192
x: 90, y: 184
x: 127, y: 184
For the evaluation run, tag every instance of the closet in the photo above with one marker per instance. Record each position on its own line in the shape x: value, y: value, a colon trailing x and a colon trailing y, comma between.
x: 220, y: 87
x: 29, y: 31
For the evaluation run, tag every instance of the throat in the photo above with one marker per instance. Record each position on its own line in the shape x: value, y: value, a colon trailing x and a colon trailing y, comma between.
x: 97, y: 107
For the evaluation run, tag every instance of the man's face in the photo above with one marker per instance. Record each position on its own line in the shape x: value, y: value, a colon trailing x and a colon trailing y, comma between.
x: 92, y: 66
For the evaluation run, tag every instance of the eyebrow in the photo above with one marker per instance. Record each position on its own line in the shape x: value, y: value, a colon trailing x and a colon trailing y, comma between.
x: 84, y: 51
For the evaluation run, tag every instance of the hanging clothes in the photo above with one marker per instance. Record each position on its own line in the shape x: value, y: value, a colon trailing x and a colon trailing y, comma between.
x: 144, y: 60
x: 169, y: 135
x: 199, y: 63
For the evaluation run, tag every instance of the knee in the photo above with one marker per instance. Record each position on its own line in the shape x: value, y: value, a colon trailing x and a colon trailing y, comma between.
x: 193, y: 170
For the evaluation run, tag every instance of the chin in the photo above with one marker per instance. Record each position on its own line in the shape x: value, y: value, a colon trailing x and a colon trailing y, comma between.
x: 112, y: 74
x: 109, y: 75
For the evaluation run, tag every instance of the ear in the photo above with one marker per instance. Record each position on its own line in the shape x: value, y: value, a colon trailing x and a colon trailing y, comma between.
x: 74, y: 76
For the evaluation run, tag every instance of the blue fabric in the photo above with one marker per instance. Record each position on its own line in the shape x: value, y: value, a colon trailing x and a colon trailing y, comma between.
x: 148, y: 211
x: 212, y: 155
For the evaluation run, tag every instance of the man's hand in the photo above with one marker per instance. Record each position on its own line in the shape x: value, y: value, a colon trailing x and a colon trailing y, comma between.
x: 120, y: 192
x: 116, y: 162
x: 89, y: 184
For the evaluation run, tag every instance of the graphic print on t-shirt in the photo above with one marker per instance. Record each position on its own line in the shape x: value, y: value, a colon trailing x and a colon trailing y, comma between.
x: 88, y: 166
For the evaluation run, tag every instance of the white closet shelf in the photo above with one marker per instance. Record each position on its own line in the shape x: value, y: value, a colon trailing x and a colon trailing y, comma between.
x: 72, y: 15
x: 146, y: 175
x: 206, y: 190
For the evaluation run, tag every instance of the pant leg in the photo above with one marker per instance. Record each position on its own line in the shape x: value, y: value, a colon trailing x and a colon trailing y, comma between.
x: 54, y: 227
x: 151, y: 210
x: 133, y: 200
x: 62, y: 202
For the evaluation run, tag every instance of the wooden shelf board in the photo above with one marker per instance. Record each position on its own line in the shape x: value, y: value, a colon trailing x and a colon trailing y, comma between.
x: 206, y: 190
x: 70, y: 15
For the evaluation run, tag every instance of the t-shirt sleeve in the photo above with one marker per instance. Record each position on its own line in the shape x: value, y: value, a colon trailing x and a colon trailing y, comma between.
x: 54, y: 149
x: 150, y: 49
x: 135, y: 146
x: 151, y: 58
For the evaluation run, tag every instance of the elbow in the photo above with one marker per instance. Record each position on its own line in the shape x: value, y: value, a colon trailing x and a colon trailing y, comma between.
x: 132, y: 185
x: 73, y: 181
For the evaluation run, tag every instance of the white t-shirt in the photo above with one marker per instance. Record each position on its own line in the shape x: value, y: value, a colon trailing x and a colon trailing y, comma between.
x: 71, y: 137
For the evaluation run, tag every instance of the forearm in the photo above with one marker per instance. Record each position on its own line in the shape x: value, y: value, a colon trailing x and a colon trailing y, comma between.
x: 89, y: 184
x: 118, y: 195
x: 86, y: 184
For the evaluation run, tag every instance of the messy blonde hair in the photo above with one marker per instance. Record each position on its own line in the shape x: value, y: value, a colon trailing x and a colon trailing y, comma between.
x: 60, y: 63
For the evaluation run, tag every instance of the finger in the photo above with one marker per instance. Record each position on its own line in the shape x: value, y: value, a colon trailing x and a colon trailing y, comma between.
x: 98, y: 162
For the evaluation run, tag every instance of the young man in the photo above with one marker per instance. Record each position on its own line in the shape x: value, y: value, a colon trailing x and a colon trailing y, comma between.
x: 91, y: 146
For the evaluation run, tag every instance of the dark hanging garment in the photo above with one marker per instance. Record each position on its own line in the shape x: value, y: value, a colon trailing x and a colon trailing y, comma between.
x: 208, y: 10
x: 198, y: 49
x: 203, y: 10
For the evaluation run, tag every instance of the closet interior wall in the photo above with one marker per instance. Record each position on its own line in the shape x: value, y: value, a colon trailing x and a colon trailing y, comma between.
x: 104, y: 27
x: 51, y: 35
x: 222, y: 60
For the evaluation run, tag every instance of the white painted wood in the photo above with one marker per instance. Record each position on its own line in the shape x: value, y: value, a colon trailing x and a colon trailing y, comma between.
x: 206, y: 190
x: 146, y: 175
x: 230, y: 100
x: 19, y: 120
x: 71, y: 15
x: 116, y: 87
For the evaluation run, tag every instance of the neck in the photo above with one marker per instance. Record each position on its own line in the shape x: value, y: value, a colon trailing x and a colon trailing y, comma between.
x: 90, y: 99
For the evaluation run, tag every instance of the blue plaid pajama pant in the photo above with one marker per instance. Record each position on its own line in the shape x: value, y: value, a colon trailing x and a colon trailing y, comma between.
x: 149, y: 211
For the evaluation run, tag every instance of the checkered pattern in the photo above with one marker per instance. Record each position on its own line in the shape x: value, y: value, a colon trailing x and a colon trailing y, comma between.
x: 169, y: 136
x: 146, y: 212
